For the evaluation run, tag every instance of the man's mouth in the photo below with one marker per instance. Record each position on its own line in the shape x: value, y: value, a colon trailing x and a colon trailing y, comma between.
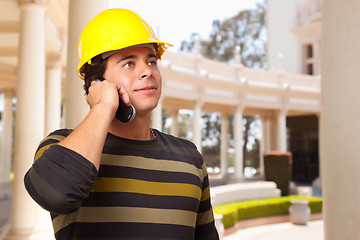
x: 147, y: 88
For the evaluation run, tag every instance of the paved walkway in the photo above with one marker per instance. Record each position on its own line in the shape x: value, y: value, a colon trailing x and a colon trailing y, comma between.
x: 5, y: 209
x: 280, y: 231
x: 276, y: 228
x: 5, y: 202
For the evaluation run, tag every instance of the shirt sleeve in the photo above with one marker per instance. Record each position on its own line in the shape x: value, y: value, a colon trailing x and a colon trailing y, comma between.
x: 60, y: 179
x: 205, y: 224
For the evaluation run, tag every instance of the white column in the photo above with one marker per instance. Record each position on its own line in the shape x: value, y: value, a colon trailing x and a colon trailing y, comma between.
x: 174, y: 129
x: 281, y: 131
x: 262, y: 146
x: 29, y: 126
x: 80, y: 13
x: 6, y: 138
x: 197, y: 126
x: 156, y: 117
x: 239, y: 141
x: 266, y: 129
x: 53, y: 94
x: 339, y: 126
x: 316, y: 47
x: 224, y: 161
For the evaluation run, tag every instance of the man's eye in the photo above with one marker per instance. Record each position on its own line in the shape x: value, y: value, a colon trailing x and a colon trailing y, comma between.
x: 152, y: 62
x: 128, y: 64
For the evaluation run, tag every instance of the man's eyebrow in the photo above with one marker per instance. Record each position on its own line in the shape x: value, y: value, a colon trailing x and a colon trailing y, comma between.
x: 126, y: 58
x: 151, y: 55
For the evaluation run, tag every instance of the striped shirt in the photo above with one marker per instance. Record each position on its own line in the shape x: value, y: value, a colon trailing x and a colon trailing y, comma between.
x: 156, y: 189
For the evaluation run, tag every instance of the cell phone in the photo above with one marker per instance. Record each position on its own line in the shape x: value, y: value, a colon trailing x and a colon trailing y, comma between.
x: 123, y: 113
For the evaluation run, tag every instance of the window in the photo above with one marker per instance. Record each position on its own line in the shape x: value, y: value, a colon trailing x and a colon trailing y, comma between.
x: 310, y: 69
x: 309, y: 51
x: 308, y: 61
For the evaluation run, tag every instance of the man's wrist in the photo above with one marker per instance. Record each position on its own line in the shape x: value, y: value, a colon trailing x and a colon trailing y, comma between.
x: 104, y: 111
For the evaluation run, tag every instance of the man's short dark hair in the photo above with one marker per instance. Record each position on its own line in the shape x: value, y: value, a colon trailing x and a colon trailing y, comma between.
x: 95, y: 69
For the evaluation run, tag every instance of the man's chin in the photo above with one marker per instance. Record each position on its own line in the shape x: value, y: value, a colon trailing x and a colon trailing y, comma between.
x: 144, y: 110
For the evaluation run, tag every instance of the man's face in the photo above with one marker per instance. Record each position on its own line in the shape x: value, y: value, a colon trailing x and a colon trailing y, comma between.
x: 136, y: 70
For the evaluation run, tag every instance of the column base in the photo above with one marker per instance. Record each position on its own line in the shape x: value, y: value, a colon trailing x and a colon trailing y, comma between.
x: 16, y: 234
x: 4, y: 230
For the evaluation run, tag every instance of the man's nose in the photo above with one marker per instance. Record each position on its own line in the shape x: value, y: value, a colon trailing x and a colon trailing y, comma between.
x: 146, y: 71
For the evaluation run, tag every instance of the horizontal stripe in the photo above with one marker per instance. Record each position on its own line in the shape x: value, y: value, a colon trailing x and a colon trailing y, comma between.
x: 148, y: 175
x: 164, y: 145
x: 102, y: 199
x: 204, y: 169
x: 151, y: 164
x: 41, y: 151
x: 151, y: 152
x: 205, y: 194
x: 51, y: 140
x: 204, y: 206
x: 151, y: 188
x: 205, y: 218
x: 125, y: 231
x: 126, y: 214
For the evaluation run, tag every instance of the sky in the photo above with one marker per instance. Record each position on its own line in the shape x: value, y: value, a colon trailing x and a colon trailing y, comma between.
x: 176, y: 20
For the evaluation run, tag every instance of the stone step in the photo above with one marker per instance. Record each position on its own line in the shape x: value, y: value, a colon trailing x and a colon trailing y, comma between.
x: 243, y: 191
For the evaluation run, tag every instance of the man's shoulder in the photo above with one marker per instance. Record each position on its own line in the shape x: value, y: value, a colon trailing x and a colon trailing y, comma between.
x: 55, y: 136
x: 177, y: 141
x: 61, y: 132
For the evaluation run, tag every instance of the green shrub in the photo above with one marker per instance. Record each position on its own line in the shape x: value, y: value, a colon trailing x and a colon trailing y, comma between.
x: 233, y: 212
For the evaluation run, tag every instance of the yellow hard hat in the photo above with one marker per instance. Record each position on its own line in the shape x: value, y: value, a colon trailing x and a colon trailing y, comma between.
x: 115, y: 29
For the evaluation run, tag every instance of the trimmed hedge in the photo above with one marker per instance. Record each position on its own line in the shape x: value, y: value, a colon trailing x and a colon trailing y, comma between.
x: 233, y: 212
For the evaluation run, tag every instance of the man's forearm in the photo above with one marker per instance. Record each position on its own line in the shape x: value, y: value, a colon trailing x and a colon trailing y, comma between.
x: 89, y: 137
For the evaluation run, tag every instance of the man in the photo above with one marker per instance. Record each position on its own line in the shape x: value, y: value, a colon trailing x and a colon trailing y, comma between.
x: 107, y: 179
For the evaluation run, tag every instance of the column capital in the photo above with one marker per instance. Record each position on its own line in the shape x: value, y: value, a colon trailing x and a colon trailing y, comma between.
x: 198, y: 104
x: 53, y: 60
x: 225, y: 115
x: 34, y: 2
x: 8, y: 93
x: 197, y: 50
x: 240, y: 109
x: 200, y: 98
x: 238, y: 56
x: 241, y: 102
x: 283, y: 111
x: 284, y: 105
x: 174, y: 111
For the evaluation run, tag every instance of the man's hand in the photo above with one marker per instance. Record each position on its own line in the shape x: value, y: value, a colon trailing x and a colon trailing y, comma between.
x: 106, y: 94
x: 89, y: 137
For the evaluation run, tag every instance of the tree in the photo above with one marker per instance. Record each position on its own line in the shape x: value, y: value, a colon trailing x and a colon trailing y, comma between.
x: 211, y: 138
x: 247, y: 29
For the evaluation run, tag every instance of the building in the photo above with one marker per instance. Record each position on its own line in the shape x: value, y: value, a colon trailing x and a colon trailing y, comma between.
x: 294, y: 35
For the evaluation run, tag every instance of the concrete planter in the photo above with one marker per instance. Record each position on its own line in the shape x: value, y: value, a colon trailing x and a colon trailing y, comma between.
x: 219, y: 224
x: 278, y: 168
x: 299, y: 211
